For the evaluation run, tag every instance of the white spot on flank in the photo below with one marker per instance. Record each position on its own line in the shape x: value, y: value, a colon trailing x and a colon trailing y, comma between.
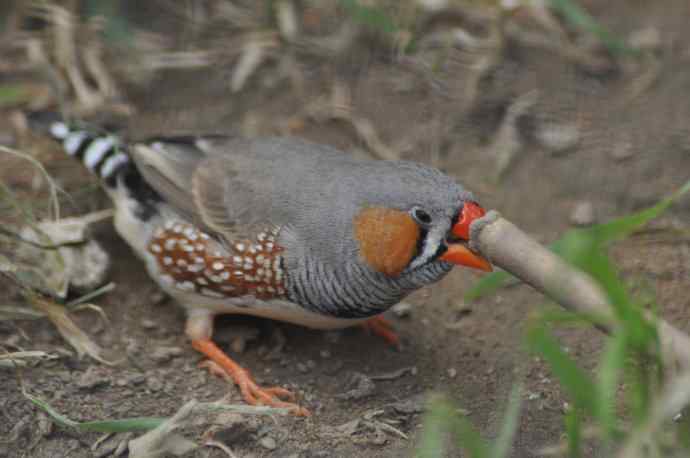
x: 169, y: 225
x: 211, y: 293
x: 73, y: 141
x: 185, y: 285
x: 260, y: 259
x: 201, y: 280
x: 240, y: 247
x: 155, y: 248
x: 217, y: 265
x: 205, y: 236
x: 167, y: 279
x: 59, y: 130
x: 225, y: 275
x: 181, y: 262
x: 169, y: 244
x: 237, y: 260
x: 188, y: 232
x: 187, y: 248
x: 199, y: 246
x: 177, y: 229
x: 97, y: 150
x: 194, y: 268
x: 167, y: 260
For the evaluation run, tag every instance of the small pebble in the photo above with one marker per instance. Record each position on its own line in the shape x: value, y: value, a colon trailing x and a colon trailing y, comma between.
x: 148, y: 324
x: 325, y: 354
x: 452, y: 372
x: 268, y: 443
x: 582, y: 214
x: 647, y: 39
x: 303, y: 368
x: 558, y: 139
x: 165, y: 354
x: 154, y: 384
x: 402, y: 309
x: 622, y: 151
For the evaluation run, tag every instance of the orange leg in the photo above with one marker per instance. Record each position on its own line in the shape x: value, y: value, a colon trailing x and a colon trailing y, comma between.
x: 253, y: 393
x: 380, y: 326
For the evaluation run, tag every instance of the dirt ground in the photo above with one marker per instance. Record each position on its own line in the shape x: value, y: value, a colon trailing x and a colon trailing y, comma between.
x: 630, y: 152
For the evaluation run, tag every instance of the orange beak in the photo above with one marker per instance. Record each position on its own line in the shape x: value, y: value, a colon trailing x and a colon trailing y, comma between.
x: 459, y: 253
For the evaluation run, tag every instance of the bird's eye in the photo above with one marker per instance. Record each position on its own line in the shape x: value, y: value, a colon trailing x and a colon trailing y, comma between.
x: 421, y: 216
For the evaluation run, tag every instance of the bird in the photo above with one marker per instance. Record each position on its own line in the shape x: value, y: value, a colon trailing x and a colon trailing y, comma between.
x: 278, y: 228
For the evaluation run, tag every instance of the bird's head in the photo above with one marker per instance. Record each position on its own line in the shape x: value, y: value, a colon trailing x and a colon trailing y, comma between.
x: 394, y: 217
x: 422, y: 217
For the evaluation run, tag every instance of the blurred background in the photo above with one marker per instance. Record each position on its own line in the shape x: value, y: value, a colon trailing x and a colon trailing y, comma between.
x: 557, y: 113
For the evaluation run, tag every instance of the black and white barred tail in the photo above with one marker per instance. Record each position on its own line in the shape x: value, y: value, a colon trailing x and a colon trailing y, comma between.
x: 102, y: 154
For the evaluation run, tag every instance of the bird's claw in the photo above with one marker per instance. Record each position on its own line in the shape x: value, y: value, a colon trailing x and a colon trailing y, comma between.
x: 254, y: 394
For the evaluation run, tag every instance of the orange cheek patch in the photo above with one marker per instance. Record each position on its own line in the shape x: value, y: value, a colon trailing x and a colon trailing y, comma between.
x: 387, y: 239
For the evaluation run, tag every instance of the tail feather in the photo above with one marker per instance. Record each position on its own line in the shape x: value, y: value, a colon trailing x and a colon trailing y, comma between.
x: 103, y: 154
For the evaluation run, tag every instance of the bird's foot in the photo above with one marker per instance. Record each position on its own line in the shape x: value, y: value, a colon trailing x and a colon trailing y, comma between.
x: 383, y: 328
x: 221, y: 364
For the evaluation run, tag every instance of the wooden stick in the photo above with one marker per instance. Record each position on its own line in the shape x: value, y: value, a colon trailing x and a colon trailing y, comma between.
x: 508, y: 247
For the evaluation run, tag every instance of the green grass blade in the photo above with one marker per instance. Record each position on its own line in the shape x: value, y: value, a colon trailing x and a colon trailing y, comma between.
x: 602, y: 234
x: 441, y: 419
x: 369, y: 16
x: 469, y: 439
x: 580, y: 18
x: 487, y: 285
x: 505, y: 438
x: 102, y: 426
x: 436, y: 422
x: 13, y: 94
x: 573, y: 430
x: 608, y: 376
x: 621, y: 227
x: 574, y: 380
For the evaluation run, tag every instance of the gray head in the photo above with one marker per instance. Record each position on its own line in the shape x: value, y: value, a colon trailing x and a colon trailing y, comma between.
x: 380, y: 228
